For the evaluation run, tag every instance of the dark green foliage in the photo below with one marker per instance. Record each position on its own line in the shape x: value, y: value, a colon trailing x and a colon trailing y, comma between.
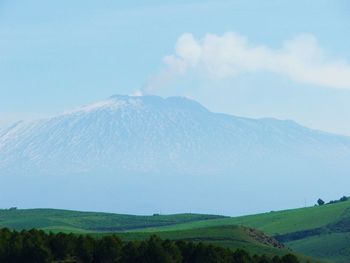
x: 36, y: 246
x: 320, y: 202
x: 26, y: 246
x: 342, y: 199
x: 84, y: 249
x: 289, y: 259
x: 61, y: 245
x: 108, y: 250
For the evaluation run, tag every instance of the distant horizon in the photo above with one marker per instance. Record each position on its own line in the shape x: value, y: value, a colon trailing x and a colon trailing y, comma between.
x: 309, y: 204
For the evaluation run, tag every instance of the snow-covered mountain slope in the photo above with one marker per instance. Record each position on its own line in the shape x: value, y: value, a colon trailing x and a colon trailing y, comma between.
x: 158, y: 139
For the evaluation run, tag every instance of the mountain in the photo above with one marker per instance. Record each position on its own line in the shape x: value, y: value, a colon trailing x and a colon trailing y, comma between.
x: 147, y: 154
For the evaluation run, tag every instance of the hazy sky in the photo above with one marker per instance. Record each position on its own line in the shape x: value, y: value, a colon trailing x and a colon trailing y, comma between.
x: 283, y: 59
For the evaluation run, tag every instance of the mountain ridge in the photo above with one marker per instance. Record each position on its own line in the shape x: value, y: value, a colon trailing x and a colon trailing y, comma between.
x: 172, y: 148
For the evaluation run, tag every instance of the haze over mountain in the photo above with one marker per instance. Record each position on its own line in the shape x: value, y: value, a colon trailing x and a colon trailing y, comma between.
x: 147, y: 154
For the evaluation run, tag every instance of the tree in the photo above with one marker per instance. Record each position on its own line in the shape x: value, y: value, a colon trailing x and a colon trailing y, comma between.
x: 320, y: 202
x: 85, y: 249
x: 241, y: 256
x: 36, y: 246
x: 343, y: 199
x: 289, y: 258
x: 108, y: 250
x: 173, y: 250
x: 155, y: 251
x: 130, y: 253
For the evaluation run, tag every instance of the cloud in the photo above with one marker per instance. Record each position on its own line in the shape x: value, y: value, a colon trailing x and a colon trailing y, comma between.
x: 218, y: 57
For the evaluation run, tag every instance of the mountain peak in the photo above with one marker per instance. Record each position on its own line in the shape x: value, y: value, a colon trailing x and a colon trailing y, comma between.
x: 118, y: 102
x: 129, y: 144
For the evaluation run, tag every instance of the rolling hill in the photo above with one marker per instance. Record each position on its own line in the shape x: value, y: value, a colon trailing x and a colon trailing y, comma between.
x: 101, y: 224
x: 89, y: 222
x: 319, y: 232
x: 233, y: 237
x: 277, y: 222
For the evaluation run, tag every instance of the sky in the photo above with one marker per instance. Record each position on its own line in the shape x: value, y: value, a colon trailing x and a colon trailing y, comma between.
x: 281, y: 59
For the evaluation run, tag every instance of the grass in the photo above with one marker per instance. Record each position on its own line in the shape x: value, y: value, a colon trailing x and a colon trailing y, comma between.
x: 233, y: 237
x: 98, y: 224
x: 79, y: 222
x: 333, y: 246
x: 228, y: 236
x: 330, y: 245
x: 225, y: 231
x: 274, y: 223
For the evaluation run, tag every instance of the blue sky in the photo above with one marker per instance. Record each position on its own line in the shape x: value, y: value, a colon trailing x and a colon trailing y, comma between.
x: 56, y: 55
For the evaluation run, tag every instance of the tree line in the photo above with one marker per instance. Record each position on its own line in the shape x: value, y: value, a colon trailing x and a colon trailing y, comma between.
x: 344, y: 198
x: 36, y: 246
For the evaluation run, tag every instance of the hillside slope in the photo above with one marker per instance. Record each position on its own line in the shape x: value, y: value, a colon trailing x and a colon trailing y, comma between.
x: 320, y: 232
x: 88, y: 222
x: 278, y: 222
x: 254, y: 241
x: 190, y: 227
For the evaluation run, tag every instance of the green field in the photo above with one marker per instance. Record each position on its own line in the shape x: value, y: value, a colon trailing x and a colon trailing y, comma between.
x: 274, y: 223
x: 129, y: 227
x: 254, y: 241
x: 335, y: 246
x: 320, y: 232
x: 87, y: 222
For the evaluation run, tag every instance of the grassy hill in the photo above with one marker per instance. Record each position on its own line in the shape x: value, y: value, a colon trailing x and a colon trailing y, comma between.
x: 321, y: 232
x: 275, y: 222
x: 333, y: 246
x: 88, y: 222
x: 131, y: 227
x: 254, y: 241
